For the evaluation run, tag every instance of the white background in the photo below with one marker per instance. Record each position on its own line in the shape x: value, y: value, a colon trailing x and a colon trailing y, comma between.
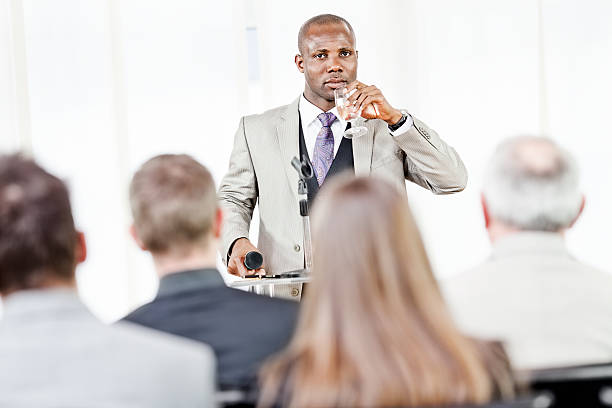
x: 92, y: 88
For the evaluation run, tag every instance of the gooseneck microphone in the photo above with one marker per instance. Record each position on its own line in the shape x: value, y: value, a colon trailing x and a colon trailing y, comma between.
x: 253, y: 260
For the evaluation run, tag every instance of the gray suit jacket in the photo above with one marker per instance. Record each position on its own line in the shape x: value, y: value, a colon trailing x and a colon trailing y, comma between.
x: 549, y: 309
x: 260, y: 172
x: 54, y: 353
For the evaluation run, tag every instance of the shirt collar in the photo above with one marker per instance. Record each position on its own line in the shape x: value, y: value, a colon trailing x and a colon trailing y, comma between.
x: 189, y: 280
x: 309, y: 113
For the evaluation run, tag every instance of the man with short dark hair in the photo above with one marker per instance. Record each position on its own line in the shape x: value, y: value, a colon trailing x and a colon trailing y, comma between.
x: 53, y: 352
x: 547, y: 307
x: 396, y: 147
x: 177, y: 219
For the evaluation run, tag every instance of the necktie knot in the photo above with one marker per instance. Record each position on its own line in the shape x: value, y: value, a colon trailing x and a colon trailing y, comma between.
x: 326, y: 118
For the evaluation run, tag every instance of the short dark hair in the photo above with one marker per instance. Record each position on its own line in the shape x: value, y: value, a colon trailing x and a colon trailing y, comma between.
x: 37, y: 233
x: 321, y: 19
x: 173, y: 200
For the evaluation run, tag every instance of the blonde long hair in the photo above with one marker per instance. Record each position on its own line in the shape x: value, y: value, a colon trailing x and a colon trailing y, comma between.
x: 374, y: 329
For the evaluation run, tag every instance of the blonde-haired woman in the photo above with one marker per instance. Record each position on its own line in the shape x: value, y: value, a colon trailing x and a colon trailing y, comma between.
x: 374, y: 330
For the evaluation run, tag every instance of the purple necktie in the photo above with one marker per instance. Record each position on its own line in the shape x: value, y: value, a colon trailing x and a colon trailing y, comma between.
x: 324, y: 147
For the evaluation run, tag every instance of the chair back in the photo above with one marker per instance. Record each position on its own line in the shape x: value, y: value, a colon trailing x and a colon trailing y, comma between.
x: 579, y: 386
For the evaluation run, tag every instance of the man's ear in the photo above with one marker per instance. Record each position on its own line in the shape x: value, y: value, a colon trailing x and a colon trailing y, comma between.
x: 80, y: 253
x: 582, y: 204
x: 136, y: 238
x: 299, y: 63
x: 218, y: 224
x: 485, y: 211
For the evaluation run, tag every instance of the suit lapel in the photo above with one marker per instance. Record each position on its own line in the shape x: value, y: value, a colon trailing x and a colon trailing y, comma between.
x: 288, y: 140
x: 362, y: 150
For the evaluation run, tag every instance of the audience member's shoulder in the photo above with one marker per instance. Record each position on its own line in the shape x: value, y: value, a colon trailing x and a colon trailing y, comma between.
x: 182, y: 371
x: 596, y: 279
x: 145, y: 340
x: 469, y: 280
x: 596, y: 273
x: 141, y: 314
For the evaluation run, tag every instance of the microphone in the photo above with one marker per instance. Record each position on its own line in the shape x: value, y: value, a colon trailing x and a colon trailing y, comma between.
x: 303, y: 167
x: 253, y: 260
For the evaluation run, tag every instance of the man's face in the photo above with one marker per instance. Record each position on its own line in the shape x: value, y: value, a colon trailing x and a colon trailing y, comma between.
x: 328, y: 61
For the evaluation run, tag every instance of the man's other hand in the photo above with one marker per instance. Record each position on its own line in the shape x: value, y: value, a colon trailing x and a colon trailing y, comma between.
x: 235, y: 266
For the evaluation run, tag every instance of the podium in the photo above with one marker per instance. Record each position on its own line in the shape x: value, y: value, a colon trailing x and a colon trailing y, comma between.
x: 258, y: 285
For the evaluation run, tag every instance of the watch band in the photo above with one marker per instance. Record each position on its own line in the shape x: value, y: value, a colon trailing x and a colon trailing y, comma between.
x: 399, y: 124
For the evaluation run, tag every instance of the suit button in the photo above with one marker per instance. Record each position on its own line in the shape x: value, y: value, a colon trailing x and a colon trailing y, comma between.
x: 296, y: 248
x: 295, y: 291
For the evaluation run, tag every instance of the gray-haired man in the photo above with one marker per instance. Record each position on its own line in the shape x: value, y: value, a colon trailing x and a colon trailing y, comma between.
x: 550, y: 309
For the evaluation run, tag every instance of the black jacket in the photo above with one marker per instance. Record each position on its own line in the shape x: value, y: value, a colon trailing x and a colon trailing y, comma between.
x: 242, y: 328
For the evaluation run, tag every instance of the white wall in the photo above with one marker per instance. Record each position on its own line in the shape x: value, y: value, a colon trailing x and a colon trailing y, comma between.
x: 477, y: 83
x: 111, y: 83
x: 578, y: 63
x: 9, y: 132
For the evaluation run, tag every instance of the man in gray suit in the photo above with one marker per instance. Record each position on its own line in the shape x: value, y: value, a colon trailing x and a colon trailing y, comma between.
x: 53, y: 352
x: 549, y: 308
x: 397, y: 147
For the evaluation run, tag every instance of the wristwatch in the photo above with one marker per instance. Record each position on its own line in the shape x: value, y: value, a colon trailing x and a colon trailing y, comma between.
x: 400, y: 123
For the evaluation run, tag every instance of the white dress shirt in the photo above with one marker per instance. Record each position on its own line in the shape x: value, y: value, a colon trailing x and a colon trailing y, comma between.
x: 311, y: 125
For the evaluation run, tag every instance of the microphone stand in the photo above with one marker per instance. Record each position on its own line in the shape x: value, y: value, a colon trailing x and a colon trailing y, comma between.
x: 305, y: 171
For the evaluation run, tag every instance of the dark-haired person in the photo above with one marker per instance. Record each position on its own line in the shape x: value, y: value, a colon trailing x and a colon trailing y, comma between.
x: 177, y: 219
x: 397, y: 147
x: 373, y: 329
x: 53, y: 352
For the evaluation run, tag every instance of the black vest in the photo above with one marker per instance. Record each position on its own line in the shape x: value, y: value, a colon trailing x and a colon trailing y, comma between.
x: 342, y: 161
